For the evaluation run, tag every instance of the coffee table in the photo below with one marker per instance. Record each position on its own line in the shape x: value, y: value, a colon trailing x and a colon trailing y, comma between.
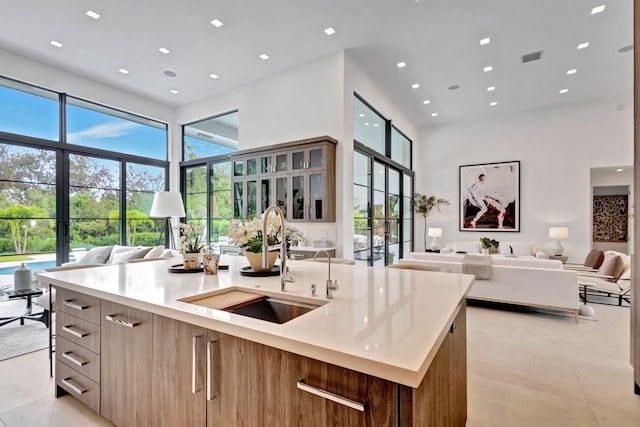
x: 27, y: 294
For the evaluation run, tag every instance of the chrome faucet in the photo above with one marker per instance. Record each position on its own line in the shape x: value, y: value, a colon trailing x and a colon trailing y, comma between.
x: 331, y: 285
x: 284, y: 270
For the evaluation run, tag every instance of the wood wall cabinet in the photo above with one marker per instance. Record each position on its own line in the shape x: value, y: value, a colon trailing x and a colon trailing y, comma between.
x: 299, y: 177
x: 126, y: 361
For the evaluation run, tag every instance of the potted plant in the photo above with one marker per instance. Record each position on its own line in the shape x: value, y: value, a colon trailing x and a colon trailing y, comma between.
x: 248, y: 235
x: 191, y: 243
x: 491, y: 245
x: 424, y: 205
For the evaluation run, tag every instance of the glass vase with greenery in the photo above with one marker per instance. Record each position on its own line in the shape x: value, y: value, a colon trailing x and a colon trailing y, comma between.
x: 424, y: 205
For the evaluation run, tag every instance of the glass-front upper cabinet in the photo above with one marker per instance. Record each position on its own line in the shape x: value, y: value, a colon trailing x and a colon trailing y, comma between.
x: 310, y: 158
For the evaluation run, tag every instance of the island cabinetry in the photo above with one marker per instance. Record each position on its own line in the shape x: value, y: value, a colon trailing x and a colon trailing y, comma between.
x: 441, y: 398
x: 126, y: 360
x: 179, y: 386
x: 78, y: 347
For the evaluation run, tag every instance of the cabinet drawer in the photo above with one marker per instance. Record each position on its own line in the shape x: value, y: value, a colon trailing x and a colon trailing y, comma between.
x: 78, y: 331
x: 79, y: 386
x: 78, y: 358
x: 79, y: 305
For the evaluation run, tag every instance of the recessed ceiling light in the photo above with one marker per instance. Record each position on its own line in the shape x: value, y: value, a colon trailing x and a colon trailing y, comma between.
x: 624, y: 49
x: 123, y: 71
x: 598, y: 9
x: 434, y: 114
x: 92, y: 14
x: 454, y: 87
x: 366, y: 123
x: 562, y: 91
x: 401, y: 64
x: 164, y: 50
x: 572, y: 71
x: 618, y: 170
x: 485, y: 40
x: 493, y: 103
x: 169, y: 73
x: 214, y: 76
x: 491, y: 88
x: 329, y: 31
x: 217, y: 23
x: 375, y: 125
x: 583, y: 45
x: 361, y: 115
x: 55, y: 43
x: 426, y: 101
x: 264, y: 56
x: 173, y: 91
x: 415, y: 85
x: 487, y: 68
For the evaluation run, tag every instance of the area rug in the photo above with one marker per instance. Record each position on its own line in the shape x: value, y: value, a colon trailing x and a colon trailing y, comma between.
x: 16, y: 339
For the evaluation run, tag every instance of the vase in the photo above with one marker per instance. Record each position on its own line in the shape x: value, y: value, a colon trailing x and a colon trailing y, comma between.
x: 192, y: 260
x: 255, y: 260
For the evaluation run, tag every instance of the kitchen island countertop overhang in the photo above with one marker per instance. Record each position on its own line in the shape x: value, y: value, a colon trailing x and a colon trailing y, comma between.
x: 388, y: 323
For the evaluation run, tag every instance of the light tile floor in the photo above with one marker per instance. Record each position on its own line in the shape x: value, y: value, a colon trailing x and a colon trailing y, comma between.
x: 525, y: 369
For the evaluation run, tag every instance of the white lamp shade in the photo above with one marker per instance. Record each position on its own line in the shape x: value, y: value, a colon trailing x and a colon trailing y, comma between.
x: 558, y: 232
x: 167, y: 204
x: 434, y: 232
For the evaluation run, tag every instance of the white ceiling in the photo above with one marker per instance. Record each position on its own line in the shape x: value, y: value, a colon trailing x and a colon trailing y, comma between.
x: 438, y: 39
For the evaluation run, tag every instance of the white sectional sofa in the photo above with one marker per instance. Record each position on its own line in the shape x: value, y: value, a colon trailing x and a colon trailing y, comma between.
x: 525, y: 280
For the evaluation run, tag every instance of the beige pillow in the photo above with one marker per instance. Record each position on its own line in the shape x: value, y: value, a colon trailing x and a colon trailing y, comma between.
x: 155, y: 252
x: 612, y: 266
x: 135, y: 253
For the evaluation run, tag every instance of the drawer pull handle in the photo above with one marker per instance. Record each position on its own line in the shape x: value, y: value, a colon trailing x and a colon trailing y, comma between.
x: 114, y: 319
x: 195, y: 384
x: 212, y: 384
x: 69, y: 303
x: 74, y: 387
x: 70, y: 357
x: 331, y: 396
x: 74, y: 331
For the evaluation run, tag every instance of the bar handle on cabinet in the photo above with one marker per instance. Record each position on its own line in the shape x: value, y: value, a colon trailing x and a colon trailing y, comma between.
x: 74, y: 331
x: 113, y: 318
x: 212, y: 384
x: 69, y: 303
x: 331, y: 396
x: 69, y: 356
x: 195, y: 386
x: 75, y: 387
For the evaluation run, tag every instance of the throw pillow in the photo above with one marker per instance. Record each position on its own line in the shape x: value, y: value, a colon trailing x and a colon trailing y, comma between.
x: 612, y: 266
x: 135, y: 253
x: 594, y: 259
x: 167, y: 253
x: 155, y: 252
x: 97, y: 255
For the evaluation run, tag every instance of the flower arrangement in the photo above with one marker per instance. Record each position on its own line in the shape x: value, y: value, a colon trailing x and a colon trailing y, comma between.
x: 248, y: 234
x: 191, y: 238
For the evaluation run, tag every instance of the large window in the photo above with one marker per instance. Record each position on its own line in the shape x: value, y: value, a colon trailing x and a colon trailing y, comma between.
x: 93, y: 185
x: 211, y: 137
x: 382, y: 189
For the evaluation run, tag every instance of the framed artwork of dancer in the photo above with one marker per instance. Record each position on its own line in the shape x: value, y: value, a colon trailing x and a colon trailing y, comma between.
x: 490, y: 197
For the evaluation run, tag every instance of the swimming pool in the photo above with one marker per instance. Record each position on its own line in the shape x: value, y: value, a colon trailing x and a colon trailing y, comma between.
x: 35, y: 265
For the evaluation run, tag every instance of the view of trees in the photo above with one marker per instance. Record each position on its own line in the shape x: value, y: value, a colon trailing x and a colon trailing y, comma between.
x: 28, y: 201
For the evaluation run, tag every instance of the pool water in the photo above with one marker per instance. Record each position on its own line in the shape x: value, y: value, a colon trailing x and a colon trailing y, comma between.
x: 37, y: 265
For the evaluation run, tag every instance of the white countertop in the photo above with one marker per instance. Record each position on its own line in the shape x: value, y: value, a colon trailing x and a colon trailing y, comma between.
x: 384, y: 322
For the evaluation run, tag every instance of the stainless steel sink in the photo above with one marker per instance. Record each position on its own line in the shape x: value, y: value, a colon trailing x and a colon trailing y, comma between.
x: 273, y: 309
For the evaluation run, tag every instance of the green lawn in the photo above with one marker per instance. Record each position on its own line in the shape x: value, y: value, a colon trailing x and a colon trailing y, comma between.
x: 9, y: 258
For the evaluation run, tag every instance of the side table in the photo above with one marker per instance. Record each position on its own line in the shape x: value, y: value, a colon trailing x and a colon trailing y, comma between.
x: 27, y: 314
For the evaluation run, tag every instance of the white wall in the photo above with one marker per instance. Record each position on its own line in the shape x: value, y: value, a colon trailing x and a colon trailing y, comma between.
x: 556, y: 148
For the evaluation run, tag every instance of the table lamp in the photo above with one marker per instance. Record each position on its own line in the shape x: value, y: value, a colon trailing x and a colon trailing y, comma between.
x: 558, y: 233
x: 434, y: 233
x: 167, y: 204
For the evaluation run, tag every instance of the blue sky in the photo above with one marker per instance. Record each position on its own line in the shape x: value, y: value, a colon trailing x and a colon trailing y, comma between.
x: 31, y: 115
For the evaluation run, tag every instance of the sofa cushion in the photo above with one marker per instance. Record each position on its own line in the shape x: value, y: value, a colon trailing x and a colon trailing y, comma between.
x: 594, y: 259
x: 155, y: 252
x: 124, y: 256
x: 97, y: 255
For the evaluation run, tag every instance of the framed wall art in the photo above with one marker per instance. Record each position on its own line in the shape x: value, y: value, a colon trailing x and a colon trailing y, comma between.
x: 610, y: 218
x: 490, y: 197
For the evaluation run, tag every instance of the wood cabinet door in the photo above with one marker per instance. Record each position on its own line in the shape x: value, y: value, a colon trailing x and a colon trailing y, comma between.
x: 126, y: 339
x: 178, y: 396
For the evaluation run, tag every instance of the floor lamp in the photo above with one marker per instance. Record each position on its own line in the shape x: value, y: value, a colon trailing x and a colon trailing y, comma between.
x: 167, y: 204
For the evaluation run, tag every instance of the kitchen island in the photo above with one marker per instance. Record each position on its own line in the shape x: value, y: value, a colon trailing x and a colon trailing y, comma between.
x: 389, y: 349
